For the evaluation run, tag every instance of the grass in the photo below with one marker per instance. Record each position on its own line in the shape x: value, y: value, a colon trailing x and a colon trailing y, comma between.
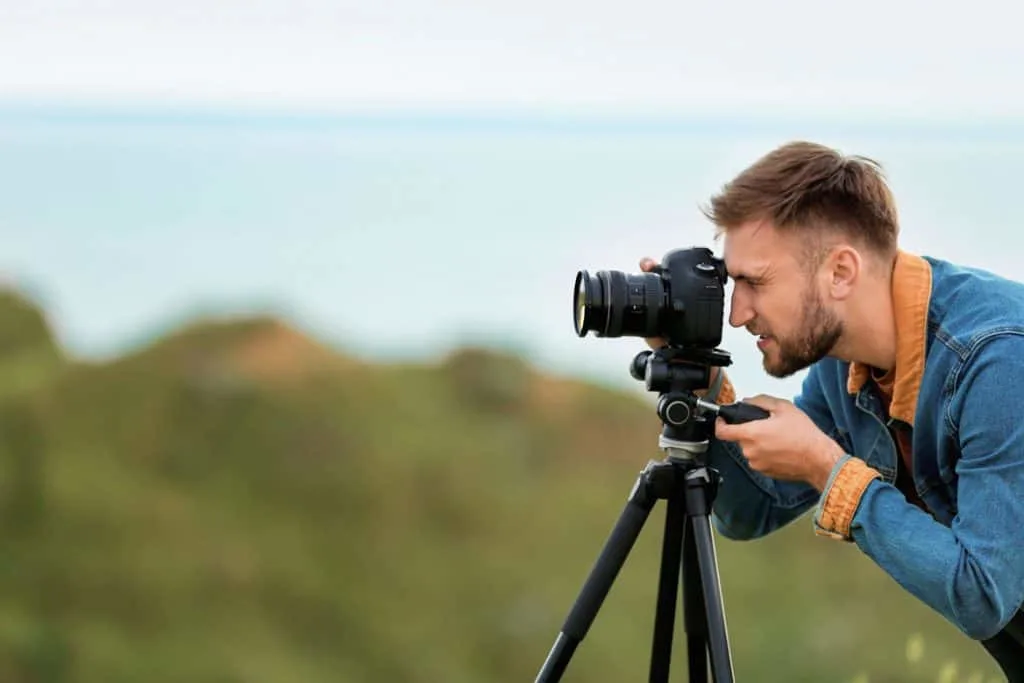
x: 233, y: 503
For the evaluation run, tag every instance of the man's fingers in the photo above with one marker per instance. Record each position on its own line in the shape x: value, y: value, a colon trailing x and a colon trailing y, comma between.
x: 647, y: 263
x: 728, y: 432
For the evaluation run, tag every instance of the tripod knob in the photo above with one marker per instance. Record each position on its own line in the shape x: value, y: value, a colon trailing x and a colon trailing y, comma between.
x: 674, y: 410
x: 638, y: 366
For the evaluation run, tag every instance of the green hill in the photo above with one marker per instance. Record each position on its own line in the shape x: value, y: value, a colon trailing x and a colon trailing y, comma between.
x: 237, y: 502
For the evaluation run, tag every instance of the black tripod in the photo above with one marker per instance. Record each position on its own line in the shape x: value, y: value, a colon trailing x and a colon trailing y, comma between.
x: 689, y: 486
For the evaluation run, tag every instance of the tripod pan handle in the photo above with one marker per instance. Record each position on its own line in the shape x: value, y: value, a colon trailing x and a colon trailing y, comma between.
x: 735, y: 413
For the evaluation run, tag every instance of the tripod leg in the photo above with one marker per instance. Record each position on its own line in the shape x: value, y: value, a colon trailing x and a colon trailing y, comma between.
x: 668, y: 584
x: 698, y: 507
x: 603, y: 573
x: 694, y: 619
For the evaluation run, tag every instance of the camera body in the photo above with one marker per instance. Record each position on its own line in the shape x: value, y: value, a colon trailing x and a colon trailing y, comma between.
x: 682, y: 301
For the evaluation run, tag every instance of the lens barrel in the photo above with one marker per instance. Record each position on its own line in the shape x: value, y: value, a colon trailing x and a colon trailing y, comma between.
x: 611, y: 303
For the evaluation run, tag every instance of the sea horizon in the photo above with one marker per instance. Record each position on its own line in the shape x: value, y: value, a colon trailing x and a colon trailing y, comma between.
x: 403, y: 234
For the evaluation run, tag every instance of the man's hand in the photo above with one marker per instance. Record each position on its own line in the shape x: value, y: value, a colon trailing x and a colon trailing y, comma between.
x: 786, y: 445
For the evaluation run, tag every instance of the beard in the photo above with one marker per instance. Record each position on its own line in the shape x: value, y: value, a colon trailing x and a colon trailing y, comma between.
x: 817, y: 333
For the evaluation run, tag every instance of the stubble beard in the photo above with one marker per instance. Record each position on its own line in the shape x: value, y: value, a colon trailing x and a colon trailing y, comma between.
x: 817, y: 334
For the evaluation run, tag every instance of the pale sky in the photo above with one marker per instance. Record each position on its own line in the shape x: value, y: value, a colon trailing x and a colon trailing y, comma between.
x: 881, y: 57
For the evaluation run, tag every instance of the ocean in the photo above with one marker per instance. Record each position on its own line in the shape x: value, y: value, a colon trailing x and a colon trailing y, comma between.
x: 405, y: 235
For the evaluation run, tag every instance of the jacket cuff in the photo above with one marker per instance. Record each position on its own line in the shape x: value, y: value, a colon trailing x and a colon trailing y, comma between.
x: 726, y: 394
x: 721, y: 390
x: 839, y: 501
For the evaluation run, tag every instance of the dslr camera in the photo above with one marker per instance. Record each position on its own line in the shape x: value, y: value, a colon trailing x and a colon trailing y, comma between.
x: 682, y: 301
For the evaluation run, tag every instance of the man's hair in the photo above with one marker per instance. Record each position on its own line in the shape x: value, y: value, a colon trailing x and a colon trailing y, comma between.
x: 808, y: 188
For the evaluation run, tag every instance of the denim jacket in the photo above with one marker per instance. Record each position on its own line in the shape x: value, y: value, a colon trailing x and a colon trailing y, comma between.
x: 964, y: 556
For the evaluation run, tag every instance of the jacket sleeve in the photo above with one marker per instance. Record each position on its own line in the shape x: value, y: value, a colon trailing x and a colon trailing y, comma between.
x: 749, y: 504
x: 971, y: 572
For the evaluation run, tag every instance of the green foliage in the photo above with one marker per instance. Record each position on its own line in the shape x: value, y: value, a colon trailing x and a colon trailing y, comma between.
x: 22, y: 325
x: 234, y: 503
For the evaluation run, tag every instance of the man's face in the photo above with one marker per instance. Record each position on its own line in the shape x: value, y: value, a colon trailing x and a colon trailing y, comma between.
x: 776, y: 297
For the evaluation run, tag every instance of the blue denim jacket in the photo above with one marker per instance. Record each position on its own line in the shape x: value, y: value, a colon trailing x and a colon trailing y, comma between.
x: 965, y: 557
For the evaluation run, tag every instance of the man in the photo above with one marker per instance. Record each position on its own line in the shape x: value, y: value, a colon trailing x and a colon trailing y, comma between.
x: 907, y: 438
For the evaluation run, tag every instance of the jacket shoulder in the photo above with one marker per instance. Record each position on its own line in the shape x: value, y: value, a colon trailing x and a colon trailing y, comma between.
x: 969, y: 305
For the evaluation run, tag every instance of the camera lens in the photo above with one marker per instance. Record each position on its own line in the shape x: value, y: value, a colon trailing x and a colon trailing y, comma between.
x: 613, y: 304
x: 589, y: 310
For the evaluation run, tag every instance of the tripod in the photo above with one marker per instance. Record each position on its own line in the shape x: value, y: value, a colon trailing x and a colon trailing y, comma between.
x: 689, y: 486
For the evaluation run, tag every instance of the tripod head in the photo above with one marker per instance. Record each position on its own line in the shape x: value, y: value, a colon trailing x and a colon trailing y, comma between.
x: 675, y: 373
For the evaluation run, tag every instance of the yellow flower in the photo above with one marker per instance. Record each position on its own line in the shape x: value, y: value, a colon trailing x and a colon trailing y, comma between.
x: 915, y: 648
x: 947, y: 674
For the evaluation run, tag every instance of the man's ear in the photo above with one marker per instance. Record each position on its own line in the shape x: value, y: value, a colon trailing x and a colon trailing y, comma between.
x: 842, y: 268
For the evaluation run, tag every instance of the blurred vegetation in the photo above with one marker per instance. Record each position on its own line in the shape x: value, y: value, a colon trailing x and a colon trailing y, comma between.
x: 236, y: 502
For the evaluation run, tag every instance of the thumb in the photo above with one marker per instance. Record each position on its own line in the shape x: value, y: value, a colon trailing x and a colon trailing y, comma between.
x: 724, y: 430
x: 647, y: 263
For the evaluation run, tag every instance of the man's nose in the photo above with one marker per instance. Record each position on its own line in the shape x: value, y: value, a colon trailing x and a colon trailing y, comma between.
x: 739, y: 312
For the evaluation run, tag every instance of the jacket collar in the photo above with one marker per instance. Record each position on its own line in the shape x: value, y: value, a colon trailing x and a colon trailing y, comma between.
x: 911, y: 292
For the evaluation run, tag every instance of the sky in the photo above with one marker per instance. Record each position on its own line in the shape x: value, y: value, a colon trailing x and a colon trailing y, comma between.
x: 136, y: 188
x: 876, y: 57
